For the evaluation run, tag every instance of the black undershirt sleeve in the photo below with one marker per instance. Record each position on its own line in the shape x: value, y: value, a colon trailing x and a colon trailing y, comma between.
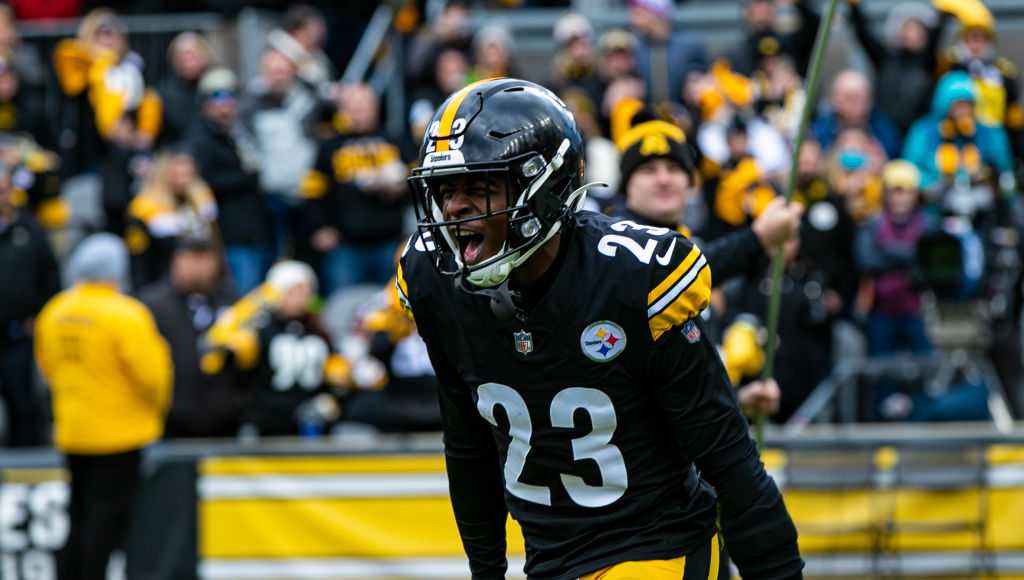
x: 733, y: 255
x: 475, y: 482
x: 697, y: 402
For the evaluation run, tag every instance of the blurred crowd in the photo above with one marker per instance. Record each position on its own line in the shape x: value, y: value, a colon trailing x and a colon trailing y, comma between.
x: 257, y: 221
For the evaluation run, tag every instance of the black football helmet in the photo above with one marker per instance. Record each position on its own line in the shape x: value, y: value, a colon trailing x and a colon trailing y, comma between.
x: 509, y: 129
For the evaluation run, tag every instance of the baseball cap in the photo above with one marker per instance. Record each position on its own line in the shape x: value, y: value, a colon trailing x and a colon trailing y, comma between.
x: 900, y: 173
x: 218, y: 82
x: 617, y: 39
x: 572, y: 26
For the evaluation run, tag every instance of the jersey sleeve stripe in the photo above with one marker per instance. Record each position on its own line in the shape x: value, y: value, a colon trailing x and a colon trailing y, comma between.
x: 680, y: 287
x: 672, y: 278
x: 448, y: 116
x: 684, y: 301
x: 400, y: 284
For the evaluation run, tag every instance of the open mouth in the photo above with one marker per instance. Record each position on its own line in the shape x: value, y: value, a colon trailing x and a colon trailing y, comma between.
x: 471, y: 245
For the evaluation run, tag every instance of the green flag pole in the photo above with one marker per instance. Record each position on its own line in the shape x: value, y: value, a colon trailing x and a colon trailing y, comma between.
x: 778, y: 261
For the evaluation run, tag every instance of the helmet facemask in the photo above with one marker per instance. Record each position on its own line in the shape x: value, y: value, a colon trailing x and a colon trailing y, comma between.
x: 531, y: 219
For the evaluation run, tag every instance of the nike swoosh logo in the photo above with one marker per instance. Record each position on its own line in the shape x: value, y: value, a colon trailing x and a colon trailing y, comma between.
x: 664, y: 258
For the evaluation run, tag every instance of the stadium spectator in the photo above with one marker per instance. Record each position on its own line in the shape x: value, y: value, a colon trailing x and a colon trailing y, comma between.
x: 104, y: 78
x: 228, y: 162
x: 904, y: 59
x: 737, y: 190
x: 21, y: 109
x: 356, y: 196
x: 721, y: 102
x: 952, y: 143
x: 36, y: 180
x: 407, y: 399
x: 762, y: 39
x: 851, y: 106
x: 617, y: 61
x: 280, y: 112
x: 886, y: 252
x: 270, y: 344
x: 780, y: 94
x: 622, y: 98
x: 24, y: 58
x: 32, y: 278
x: 450, y: 29
x: 189, y: 56
x: 301, y: 40
x: 185, y: 305
x: 173, y: 203
x: 575, y: 63
x: 996, y: 77
x: 451, y: 71
x: 664, y: 57
x: 886, y: 249
x: 493, y: 53
x: 804, y: 354
x: 121, y: 170
x: 852, y: 168
x: 109, y: 372
x: 827, y: 231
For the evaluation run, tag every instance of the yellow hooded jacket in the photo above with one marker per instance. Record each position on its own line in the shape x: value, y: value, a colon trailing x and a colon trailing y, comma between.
x: 109, y: 370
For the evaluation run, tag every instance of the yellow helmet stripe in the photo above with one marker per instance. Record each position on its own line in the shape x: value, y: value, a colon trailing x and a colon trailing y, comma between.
x: 448, y: 116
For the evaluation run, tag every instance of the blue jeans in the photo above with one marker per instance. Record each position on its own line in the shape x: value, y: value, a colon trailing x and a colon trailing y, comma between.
x: 248, y: 265
x: 888, y: 334
x: 350, y: 265
x: 284, y: 220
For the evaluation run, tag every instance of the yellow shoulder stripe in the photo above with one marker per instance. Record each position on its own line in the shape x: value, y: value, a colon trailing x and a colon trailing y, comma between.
x: 448, y: 116
x: 672, y: 278
x: 400, y: 283
x: 688, y: 292
x: 402, y: 292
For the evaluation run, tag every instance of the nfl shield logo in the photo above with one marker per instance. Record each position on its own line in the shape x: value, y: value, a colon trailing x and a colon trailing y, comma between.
x: 524, y: 342
x: 691, y: 331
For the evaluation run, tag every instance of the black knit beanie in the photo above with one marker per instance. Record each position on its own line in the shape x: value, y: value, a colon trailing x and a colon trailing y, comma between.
x: 652, y: 139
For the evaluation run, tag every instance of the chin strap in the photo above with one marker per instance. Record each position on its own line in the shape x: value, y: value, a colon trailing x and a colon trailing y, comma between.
x: 498, y: 273
x: 503, y: 299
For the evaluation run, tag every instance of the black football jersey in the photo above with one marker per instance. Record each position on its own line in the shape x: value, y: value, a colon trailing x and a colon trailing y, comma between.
x: 290, y: 372
x: 589, y: 408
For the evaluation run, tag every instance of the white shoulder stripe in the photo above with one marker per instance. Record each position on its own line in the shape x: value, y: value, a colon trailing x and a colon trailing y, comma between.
x: 674, y: 292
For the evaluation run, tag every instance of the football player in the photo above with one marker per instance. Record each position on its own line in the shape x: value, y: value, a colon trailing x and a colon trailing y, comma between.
x: 578, y: 389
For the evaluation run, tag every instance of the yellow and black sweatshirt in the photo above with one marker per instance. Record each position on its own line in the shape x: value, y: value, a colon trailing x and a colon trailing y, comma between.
x: 341, y: 188
x: 113, y: 85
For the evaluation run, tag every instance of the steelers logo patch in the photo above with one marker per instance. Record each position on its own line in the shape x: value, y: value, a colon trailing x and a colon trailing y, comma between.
x: 603, y: 341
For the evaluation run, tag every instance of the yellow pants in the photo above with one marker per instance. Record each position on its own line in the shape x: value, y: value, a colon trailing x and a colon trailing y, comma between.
x: 675, y: 569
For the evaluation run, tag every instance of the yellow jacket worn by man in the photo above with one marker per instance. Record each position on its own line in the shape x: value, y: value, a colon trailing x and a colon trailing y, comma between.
x: 107, y: 365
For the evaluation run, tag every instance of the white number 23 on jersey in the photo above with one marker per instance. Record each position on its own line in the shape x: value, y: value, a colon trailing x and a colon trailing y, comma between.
x: 594, y: 445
